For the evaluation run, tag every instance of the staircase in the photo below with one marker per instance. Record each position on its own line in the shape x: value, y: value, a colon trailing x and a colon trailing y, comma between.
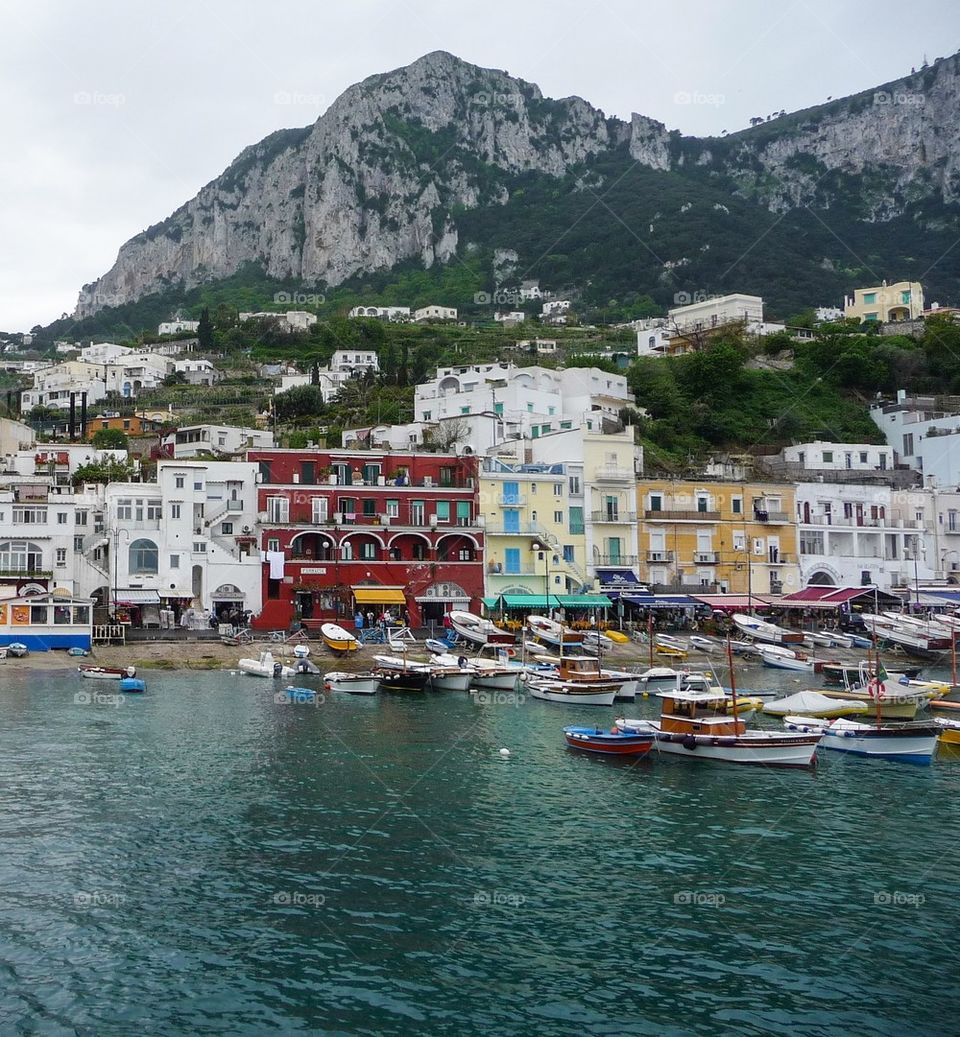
x: 571, y: 568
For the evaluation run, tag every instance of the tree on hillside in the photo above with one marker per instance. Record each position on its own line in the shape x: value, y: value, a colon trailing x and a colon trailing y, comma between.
x: 447, y: 434
x: 109, y: 439
x: 205, y: 331
x: 302, y: 401
x: 103, y: 472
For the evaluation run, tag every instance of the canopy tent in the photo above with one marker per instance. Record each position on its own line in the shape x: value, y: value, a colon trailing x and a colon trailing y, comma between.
x: 831, y: 597
x: 532, y: 602
x: 367, y: 595
x: 659, y: 601
x: 936, y: 597
x: 136, y: 596
x: 733, y: 602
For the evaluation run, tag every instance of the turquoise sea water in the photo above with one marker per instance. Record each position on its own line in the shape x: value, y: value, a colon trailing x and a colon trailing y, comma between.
x: 204, y: 859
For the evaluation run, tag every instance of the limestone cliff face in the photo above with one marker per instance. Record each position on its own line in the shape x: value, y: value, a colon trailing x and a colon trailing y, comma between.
x: 375, y: 180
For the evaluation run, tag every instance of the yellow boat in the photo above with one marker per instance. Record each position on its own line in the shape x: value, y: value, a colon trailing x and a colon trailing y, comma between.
x: 337, y: 639
x: 618, y: 636
x: 670, y: 652
x: 949, y: 736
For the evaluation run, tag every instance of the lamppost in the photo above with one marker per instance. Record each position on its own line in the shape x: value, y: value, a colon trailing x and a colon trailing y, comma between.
x: 545, y: 548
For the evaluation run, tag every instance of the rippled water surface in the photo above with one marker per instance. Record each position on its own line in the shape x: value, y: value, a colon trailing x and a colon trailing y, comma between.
x: 204, y: 859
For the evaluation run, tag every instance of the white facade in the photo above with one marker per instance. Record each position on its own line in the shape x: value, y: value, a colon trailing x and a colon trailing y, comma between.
x: 189, y: 536
x: 351, y: 361
x: 104, y: 353
x: 197, y: 372
x: 136, y: 372
x: 541, y: 346
x: 510, y: 317
x: 381, y: 312
x: 858, y: 535
x: 717, y: 311
x: 555, y: 307
x: 192, y: 440
x: 827, y: 314
x: 292, y: 320
x: 177, y: 327
x: 922, y: 437
x: 857, y: 457
x: 428, y: 313
x: 530, y: 291
x: 653, y: 338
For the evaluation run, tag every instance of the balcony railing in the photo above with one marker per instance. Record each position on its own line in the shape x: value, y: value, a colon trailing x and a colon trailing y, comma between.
x: 35, y: 574
x: 781, y: 558
x: 659, y: 556
x: 665, y: 515
x: 612, y: 473
x: 621, y: 560
x: 778, y: 517
x: 706, y: 557
x: 628, y: 517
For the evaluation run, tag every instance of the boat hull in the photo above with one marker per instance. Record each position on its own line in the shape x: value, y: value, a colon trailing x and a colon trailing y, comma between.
x: 410, y: 680
x: 572, y: 696
x: 914, y: 745
x: 765, y: 749
x: 451, y: 681
x: 494, y: 681
x: 607, y: 743
x: 352, y: 684
x: 103, y: 673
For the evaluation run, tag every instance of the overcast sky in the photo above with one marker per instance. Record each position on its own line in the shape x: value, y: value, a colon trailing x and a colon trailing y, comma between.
x: 115, y: 112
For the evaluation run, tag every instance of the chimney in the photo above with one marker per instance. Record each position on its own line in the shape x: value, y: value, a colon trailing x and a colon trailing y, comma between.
x: 73, y: 417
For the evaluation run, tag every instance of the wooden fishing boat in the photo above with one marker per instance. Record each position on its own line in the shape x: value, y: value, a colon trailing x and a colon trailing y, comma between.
x: 612, y: 742
x: 337, y: 639
x: 949, y: 735
x: 479, y: 631
x: 779, y: 658
x: 265, y: 666
x: 577, y: 693
x: 403, y: 680
x: 743, y: 706
x: 351, y: 683
x: 769, y: 633
x: 106, y: 673
x: 904, y: 742
x: 894, y: 704
x: 553, y: 633
x: 813, y: 704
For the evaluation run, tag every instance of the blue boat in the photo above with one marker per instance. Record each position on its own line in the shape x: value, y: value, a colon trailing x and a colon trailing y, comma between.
x: 300, y: 694
x: 132, y: 685
x: 613, y: 741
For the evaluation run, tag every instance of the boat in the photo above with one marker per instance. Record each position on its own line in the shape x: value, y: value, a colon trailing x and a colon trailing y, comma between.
x: 846, y: 676
x: 437, y: 647
x: 818, y: 638
x: 296, y: 694
x: 403, y: 680
x: 944, y: 704
x: 705, y: 644
x: 17, y: 649
x: 784, y: 659
x: 132, y: 685
x: 337, y: 639
x: 577, y: 693
x: 692, y: 725
x: 893, y: 705
x: 612, y: 742
x: 916, y: 639
x: 949, y: 735
x: 305, y: 665
x: 813, y: 704
x: 744, y: 706
x: 479, y: 631
x: 352, y: 683
x: 553, y: 633
x: 77, y: 651
x: 265, y: 666
x: 658, y: 677
x: 107, y: 673
x: 669, y: 648
x: 905, y: 742
x: 769, y: 633
x: 617, y: 636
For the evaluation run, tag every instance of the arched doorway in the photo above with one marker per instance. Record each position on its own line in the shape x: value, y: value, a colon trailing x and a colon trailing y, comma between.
x: 821, y: 579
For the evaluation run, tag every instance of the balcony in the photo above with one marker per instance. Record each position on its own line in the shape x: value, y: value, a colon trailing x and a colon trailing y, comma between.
x: 611, y: 473
x: 617, y: 560
x: 684, y: 588
x: 682, y: 516
x: 782, y: 558
x: 659, y: 556
x: 771, y: 517
x: 706, y: 557
x: 26, y: 574
x: 627, y: 517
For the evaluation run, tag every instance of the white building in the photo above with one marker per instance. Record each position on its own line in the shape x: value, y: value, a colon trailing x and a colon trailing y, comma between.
x: 292, y: 320
x: 354, y: 361
x: 104, y: 353
x: 177, y: 327
x: 923, y: 436
x: 381, y: 312
x: 555, y: 307
x: 193, y: 440
x: 530, y: 291
x: 717, y: 311
x: 653, y: 337
x: 540, y: 346
x: 861, y: 535
x: 509, y: 316
x: 826, y: 457
x: 128, y: 376
x: 197, y: 372
x: 430, y: 313
x: 189, y: 538
x: 827, y: 314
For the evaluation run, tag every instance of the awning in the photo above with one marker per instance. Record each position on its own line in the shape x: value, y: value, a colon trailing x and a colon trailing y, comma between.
x: 618, y: 578
x: 379, y: 596
x: 659, y: 601
x: 137, y: 596
x: 584, y: 601
x: 824, y: 597
x: 445, y: 599
x: 732, y: 602
x: 532, y: 602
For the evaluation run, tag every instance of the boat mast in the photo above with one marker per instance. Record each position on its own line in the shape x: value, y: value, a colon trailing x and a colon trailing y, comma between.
x: 733, y: 683
x: 650, y: 636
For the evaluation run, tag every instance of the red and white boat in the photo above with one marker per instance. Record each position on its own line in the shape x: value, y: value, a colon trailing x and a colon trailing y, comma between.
x: 479, y: 631
x: 107, y: 673
x: 553, y: 633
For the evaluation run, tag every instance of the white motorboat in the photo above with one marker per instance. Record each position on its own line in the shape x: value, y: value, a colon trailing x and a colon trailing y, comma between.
x: 907, y: 742
x: 691, y: 724
x: 576, y: 693
x: 553, y: 633
x: 479, y: 631
x: 658, y: 677
x: 914, y: 637
x: 783, y: 659
x: 704, y: 644
x: 352, y: 683
x: 265, y: 666
x: 106, y: 673
x: 769, y: 633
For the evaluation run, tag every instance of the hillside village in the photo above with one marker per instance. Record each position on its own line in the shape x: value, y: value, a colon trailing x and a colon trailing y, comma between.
x: 497, y: 482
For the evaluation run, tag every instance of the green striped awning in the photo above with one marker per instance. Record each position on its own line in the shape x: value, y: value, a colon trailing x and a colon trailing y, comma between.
x: 539, y: 601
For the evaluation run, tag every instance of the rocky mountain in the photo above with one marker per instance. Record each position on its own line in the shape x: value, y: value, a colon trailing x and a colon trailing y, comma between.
x: 396, y: 169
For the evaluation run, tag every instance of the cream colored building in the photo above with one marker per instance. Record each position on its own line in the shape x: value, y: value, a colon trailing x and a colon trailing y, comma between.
x: 885, y: 302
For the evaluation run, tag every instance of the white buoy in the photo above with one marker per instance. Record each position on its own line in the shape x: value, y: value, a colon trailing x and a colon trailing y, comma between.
x: 504, y: 753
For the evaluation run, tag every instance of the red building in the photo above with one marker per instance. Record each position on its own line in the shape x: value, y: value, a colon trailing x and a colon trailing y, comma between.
x: 349, y: 529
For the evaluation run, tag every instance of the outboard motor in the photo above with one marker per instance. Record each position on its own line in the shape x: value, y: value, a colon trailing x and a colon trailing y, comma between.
x: 278, y: 669
x: 462, y: 661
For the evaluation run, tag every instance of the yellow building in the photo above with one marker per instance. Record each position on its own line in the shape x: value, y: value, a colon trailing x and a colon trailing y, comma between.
x: 722, y: 537
x: 534, y: 529
x: 886, y: 302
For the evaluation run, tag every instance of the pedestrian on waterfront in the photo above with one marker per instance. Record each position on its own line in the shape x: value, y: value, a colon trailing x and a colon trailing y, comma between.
x: 358, y: 620
x: 446, y: 621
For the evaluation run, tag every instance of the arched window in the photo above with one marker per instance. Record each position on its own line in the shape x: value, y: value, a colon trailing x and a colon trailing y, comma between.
x: 20, y: 557
x: 143, y: 556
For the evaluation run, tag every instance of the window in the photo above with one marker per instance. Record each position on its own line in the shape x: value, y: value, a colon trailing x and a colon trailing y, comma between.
x: 575, y: 514
x: 428, y: 414
x: 863, y: 457
x: 443, y: 511
x: 828, y: 457
x: 656, y: 502
x: 465, y: 554
x: 226, y: 528
x: 278, y: 509
x: 736, y: 504
x: 29, y: 516
x: 703, y: 504
x: 568, y: 552
x: 143, y: 557
x: 197, y: 484
x: 124, y: 509
x: 81, y: 518
x: 174, y: 561
x: 558, y: 517
x: 348, y: 506
x: 574, y: 483
x: 533, y: 487
x: 464, y: 410
x: 179, y: 482
x: 952, y: 521
x: 369, y: 506
x: 908, y: 443
x: 199, y: 547
x: 21, y: 557
x: 174, y: 511
x: 870, y: 297
x: 811, y: 542
x: 558, y: 489
x: 154, y: 510
x: 61, y: 557
x: 273, y: 544
x: 78, y: 544
x: 393, y: 509
x: 318, y: 512
x: 416, y: 512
